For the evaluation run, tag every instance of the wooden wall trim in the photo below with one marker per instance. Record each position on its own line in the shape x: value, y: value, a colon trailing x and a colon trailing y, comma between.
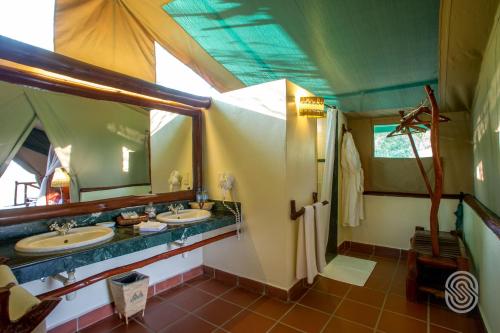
x: 489, y: 218
x: 20, y: 215
x: 29, y: 55
x: 15, y: 76
x: 104, y: 188
x: 409, y: 195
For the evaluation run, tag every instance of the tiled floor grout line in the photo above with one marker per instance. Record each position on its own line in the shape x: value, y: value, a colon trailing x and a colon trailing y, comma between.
x: 375, y: 328
x: 396, y: 278
x: 428, y: 315
x: 220, y: 296
x: 215, y: 297
x: 335, y: 310
x: 340, y: 303
x: 243, y: 309
x: 351, y: 300
x: 278, y: 321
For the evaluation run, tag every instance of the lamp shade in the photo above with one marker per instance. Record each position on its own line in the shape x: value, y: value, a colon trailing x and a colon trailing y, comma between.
x: 60, y: 178
x: 312, y: 107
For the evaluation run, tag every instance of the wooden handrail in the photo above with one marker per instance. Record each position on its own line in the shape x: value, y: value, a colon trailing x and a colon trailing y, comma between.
x: 489, y: 218
x: 127, y: 268
x: 408, y: 195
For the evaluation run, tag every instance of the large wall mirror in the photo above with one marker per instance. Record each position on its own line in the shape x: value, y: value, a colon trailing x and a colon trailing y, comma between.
x: 60, y: 149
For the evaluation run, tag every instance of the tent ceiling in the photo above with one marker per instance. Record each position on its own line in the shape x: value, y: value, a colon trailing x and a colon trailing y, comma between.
x: 360, y: 54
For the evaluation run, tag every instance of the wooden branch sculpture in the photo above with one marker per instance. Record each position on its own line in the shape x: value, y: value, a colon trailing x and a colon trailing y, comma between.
x: 417, y: 121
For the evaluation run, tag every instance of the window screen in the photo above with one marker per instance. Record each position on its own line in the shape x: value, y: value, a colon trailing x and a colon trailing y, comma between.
x: 399, y: 146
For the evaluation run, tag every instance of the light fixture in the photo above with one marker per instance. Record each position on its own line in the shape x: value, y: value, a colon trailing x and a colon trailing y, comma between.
x: 312, y: 107
x: 60, y: 178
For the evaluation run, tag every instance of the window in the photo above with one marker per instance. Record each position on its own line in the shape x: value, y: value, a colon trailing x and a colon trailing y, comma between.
x: 399, y: 146
x: 172, y: 73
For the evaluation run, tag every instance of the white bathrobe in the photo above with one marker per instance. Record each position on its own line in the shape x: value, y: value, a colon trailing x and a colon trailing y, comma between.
x: 352, y: 183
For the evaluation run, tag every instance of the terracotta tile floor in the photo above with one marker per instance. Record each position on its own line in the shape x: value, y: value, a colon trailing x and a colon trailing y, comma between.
x: 205, y: 305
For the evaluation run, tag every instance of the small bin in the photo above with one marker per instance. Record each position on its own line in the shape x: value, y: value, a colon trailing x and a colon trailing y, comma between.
x: 130, y: 292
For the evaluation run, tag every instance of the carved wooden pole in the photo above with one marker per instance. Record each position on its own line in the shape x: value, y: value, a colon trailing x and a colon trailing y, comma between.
x: 438, y: 172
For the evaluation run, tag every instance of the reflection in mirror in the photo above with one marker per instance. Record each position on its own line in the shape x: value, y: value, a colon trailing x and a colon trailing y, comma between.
x: 57, y: 148
x: 171, y: 152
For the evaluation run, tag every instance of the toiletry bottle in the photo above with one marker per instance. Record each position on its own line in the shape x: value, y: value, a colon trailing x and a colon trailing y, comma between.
x: 199, y: 195
x: 150, y: 210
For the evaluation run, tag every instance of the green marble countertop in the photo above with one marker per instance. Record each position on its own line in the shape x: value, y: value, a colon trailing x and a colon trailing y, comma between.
x: 125, y: 241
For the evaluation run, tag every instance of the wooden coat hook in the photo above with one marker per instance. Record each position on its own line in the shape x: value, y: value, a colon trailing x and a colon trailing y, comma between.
x: 345, y: 129
x: 294, y: 214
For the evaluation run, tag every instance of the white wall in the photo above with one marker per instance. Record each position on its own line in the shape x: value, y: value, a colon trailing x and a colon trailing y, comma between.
x: 254, y: 133
x: 484, y: 247
x: 391, y: 221
x: 97, y: 295
x: 301, y: 168
x: 171, y: 149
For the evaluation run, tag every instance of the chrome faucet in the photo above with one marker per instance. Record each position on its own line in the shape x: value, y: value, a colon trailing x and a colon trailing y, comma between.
x: 175, y: 209
x: 64, y: 228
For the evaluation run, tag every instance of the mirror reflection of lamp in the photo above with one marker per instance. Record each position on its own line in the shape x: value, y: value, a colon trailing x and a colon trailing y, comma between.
x: 61, y: 180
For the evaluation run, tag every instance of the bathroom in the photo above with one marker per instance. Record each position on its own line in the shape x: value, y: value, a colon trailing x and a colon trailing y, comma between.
x: 245, y: 185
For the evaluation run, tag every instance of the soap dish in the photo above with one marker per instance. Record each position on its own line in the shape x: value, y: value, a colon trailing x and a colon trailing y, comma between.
x: 208, y: 205
x: 127, y: 222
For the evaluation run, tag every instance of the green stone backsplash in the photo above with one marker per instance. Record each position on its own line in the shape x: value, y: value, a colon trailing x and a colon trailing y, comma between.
x: 30, y: 228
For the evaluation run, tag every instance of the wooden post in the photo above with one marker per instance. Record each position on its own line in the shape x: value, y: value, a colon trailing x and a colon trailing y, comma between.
x: 438, y: 172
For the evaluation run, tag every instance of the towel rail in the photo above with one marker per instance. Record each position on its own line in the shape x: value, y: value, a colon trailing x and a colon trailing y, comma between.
x: 295, y: 214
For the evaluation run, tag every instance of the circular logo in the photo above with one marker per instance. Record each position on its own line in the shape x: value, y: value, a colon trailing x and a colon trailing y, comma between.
x: 461, y: 292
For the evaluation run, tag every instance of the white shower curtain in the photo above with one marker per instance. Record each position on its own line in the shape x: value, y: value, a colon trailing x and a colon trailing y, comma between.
x: 326, y: 185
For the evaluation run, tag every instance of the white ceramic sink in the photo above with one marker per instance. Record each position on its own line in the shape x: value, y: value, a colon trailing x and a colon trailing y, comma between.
x: 184, y: 216
x: 55, y: 242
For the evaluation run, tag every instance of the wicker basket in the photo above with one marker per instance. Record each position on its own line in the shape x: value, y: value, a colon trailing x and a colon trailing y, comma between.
x: 130, y: 292
x: 127, y: 222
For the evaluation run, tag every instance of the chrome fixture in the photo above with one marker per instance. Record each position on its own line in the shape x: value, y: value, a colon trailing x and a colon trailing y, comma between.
x: 175, y: 209
x: 67, y: 280
x: 64, y: 228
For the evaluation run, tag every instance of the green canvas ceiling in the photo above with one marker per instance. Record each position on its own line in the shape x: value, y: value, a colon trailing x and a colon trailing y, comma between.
x: 360, y: 55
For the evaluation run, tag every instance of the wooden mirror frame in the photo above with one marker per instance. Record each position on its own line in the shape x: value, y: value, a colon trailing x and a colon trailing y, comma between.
x: 17, y: 61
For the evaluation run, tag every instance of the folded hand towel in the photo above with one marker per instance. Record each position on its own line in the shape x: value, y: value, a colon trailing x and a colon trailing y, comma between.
x: 150, y: 226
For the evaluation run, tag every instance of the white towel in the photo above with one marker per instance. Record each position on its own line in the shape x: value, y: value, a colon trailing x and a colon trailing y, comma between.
x: 150, y: 226
x: 321, y: 237
x: 306, y: 247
